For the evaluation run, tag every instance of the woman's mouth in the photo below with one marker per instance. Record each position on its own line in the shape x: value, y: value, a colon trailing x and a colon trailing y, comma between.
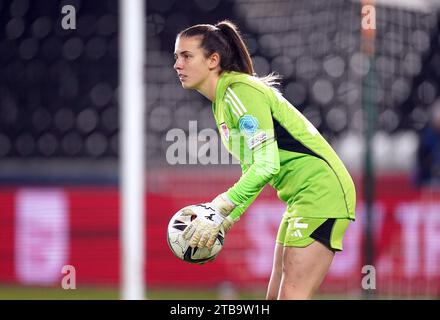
x: 182, y: 77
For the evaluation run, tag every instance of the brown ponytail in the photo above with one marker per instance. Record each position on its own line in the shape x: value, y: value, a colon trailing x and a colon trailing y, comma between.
x: 225, y: 39
x: 240, y: 56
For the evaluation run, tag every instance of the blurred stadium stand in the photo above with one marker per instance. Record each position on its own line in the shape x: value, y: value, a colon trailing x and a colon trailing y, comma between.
x: 59, y: 87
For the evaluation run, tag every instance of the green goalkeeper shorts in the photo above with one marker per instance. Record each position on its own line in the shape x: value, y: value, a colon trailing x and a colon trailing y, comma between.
x: 300, y: 231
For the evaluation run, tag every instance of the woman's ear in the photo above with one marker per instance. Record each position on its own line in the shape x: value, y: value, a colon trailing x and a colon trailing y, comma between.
x: 214, y: 61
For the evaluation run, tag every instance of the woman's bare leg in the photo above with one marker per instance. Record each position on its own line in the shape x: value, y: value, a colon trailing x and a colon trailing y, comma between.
x: 275, y: 277
x: 303, y: 270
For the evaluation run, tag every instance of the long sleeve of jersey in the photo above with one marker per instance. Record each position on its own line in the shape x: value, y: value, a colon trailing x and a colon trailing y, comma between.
x: 240, y: 209
x: 250, y: 115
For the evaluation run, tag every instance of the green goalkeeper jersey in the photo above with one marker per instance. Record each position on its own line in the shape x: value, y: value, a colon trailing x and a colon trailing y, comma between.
x: 276, y: 144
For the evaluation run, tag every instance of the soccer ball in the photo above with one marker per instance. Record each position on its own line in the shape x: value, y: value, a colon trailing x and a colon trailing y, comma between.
x: 180, y: 247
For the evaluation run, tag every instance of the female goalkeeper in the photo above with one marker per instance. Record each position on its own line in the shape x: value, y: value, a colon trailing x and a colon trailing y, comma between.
x: 275, y: 144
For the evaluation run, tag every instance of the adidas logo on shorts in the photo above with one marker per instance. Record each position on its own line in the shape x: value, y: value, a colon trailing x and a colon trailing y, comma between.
x: 297, y: 234
x: 297, y: 225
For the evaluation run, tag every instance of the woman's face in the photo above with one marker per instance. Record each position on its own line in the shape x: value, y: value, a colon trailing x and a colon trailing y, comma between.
x: 190, y: 63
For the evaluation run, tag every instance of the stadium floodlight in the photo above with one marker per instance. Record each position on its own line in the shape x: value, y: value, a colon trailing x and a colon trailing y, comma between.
x: 132, y: 51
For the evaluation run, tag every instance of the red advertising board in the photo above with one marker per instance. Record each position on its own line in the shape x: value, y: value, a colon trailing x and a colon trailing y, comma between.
x: 44, y: 229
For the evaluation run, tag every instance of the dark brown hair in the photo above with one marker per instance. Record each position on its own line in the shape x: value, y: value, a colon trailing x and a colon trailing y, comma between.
x: 225, y: 39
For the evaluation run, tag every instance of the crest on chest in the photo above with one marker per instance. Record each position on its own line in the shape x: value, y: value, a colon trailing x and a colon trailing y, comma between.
x: 224, y: 130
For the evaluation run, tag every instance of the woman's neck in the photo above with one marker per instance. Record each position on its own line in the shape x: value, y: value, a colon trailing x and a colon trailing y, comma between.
x: 209, y: 86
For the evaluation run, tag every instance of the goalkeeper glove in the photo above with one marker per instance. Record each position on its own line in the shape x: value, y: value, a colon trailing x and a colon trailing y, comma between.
x: 203, y: 231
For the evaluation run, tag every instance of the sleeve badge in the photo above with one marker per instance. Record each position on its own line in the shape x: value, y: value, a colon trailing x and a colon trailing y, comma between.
x: 224, y: 130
